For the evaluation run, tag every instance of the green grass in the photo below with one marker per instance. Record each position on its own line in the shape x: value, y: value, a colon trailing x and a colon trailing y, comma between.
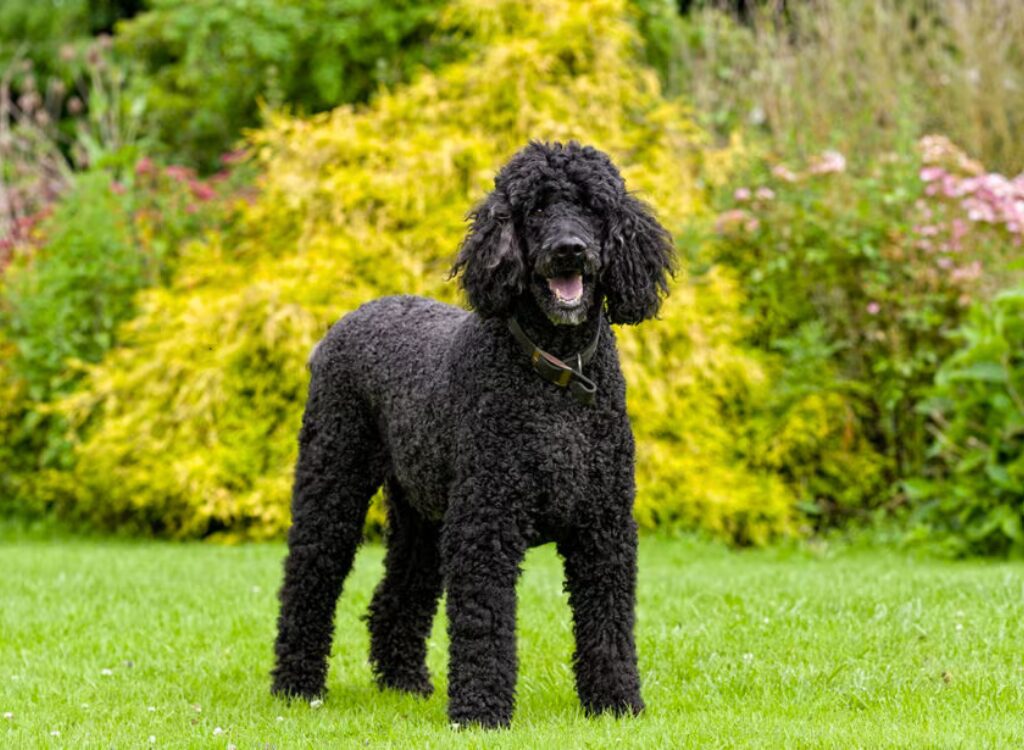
x: 850, y: 648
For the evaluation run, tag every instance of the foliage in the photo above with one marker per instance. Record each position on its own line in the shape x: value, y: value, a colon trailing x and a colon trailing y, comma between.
x: 855, y: 281
x: 208, y: 64
x: 70, y: 287
x: 42, y: 29
x: 50, y: 128
x: 189, y: 428
x: 662, y: 34
x: 16, y: 449
x: 51, y: 39
x: 73, y: 282
x: 861, y: 77
x: 692, y: 393
x: 39, y: 30
x: 973, y: 495
x: 60, y: 304
x: 64, y: 301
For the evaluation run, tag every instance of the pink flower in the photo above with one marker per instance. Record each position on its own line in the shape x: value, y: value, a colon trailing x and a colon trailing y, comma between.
x: 978, y: 210
x: 966, y: 273
x: 951, y: 187
x: 233, y: 157
x: 737, y: 218
x: 828, y: 162
x: 145, y: 166
x: 201, y: 190
x: 742, y: 194
x: 873, y: 308
x: 784, y: 173
x: 179, y: 173
x: 930, y: 174
x: 117, y: 188
x: 765, y: 194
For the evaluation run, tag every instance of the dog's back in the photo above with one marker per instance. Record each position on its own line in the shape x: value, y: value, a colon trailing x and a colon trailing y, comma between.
x: 391, y: 355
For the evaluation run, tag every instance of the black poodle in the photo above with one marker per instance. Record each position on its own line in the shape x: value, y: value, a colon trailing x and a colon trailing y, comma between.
x: 491, y: 432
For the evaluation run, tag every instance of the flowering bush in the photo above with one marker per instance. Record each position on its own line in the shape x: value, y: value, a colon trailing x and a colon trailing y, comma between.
x: 73, y: 281
x: 79, y: 270
x: 855, y: 282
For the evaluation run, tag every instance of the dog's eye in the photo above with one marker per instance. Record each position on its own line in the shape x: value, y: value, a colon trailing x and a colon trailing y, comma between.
x: 538, y: 211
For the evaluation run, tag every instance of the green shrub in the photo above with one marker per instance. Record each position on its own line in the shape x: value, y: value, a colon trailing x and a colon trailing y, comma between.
x: 50, y: 34
x: 17, y: 450
x: 189, y: 428
x: 662, y: 31
x: 972, y: 496
x: 58, y: 305
x: 38, y: 30
x: 207, y: 64
x: 64, y: 301
x: 70, y: 287
x: 854, y: 283
x: 813, y: 431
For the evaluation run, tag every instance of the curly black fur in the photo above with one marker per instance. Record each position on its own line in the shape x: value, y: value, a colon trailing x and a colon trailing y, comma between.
x: 479, y: 457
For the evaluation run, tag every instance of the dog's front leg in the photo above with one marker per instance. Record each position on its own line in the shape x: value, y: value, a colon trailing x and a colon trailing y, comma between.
x: 600, y: 576
x: 482, y: 550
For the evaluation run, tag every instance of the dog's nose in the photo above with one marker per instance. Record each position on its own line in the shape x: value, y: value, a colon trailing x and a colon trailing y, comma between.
x: 570, y: 245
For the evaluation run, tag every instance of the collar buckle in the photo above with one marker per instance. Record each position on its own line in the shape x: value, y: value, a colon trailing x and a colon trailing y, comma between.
x: 554, y: 370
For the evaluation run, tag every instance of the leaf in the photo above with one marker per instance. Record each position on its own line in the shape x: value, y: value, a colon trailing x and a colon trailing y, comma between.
x: 1001, y: 478
x: 987, y: 372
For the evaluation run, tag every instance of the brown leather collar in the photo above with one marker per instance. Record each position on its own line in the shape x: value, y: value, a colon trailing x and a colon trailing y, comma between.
x: 554, y: 370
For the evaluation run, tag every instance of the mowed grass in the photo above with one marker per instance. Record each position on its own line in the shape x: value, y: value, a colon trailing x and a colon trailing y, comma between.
x: 136, y: 644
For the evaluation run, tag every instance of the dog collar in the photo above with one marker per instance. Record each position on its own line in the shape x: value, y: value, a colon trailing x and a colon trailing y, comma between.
x: 554, y: 370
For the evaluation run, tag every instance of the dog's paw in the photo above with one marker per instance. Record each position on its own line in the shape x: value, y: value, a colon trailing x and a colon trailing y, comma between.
x: 627, y: 706
x: 297, y: 690
x: 415, y: 684
x: 465, y: 718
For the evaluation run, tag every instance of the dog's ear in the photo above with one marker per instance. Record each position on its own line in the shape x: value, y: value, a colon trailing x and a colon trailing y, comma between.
x: 638, y: 259
x: 491, y: 264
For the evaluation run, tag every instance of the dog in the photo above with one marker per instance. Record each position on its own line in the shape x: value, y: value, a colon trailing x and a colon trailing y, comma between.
x: 491, y: 431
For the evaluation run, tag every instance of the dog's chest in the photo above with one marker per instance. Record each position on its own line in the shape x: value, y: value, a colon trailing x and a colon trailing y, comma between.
x: 572, y: 464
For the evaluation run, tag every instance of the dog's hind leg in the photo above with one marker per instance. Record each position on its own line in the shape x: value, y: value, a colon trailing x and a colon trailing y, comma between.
x: 403, y: 607
x: 340, y: 466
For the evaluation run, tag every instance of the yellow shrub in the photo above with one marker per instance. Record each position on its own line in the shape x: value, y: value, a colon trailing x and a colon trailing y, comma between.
x: 189, y: 428
x: 691, y: 393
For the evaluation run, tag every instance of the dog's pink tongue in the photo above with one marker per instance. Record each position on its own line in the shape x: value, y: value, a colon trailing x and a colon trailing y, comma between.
x: 567, y: 288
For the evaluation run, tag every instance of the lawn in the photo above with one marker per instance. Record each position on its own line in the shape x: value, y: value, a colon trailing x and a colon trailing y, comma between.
x: 135, y: 644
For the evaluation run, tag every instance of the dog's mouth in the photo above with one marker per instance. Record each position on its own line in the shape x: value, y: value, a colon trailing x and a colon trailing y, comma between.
x: 567, y: 289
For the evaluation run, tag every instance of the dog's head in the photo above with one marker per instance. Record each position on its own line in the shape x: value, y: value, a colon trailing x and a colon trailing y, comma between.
x: 560, y: 230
